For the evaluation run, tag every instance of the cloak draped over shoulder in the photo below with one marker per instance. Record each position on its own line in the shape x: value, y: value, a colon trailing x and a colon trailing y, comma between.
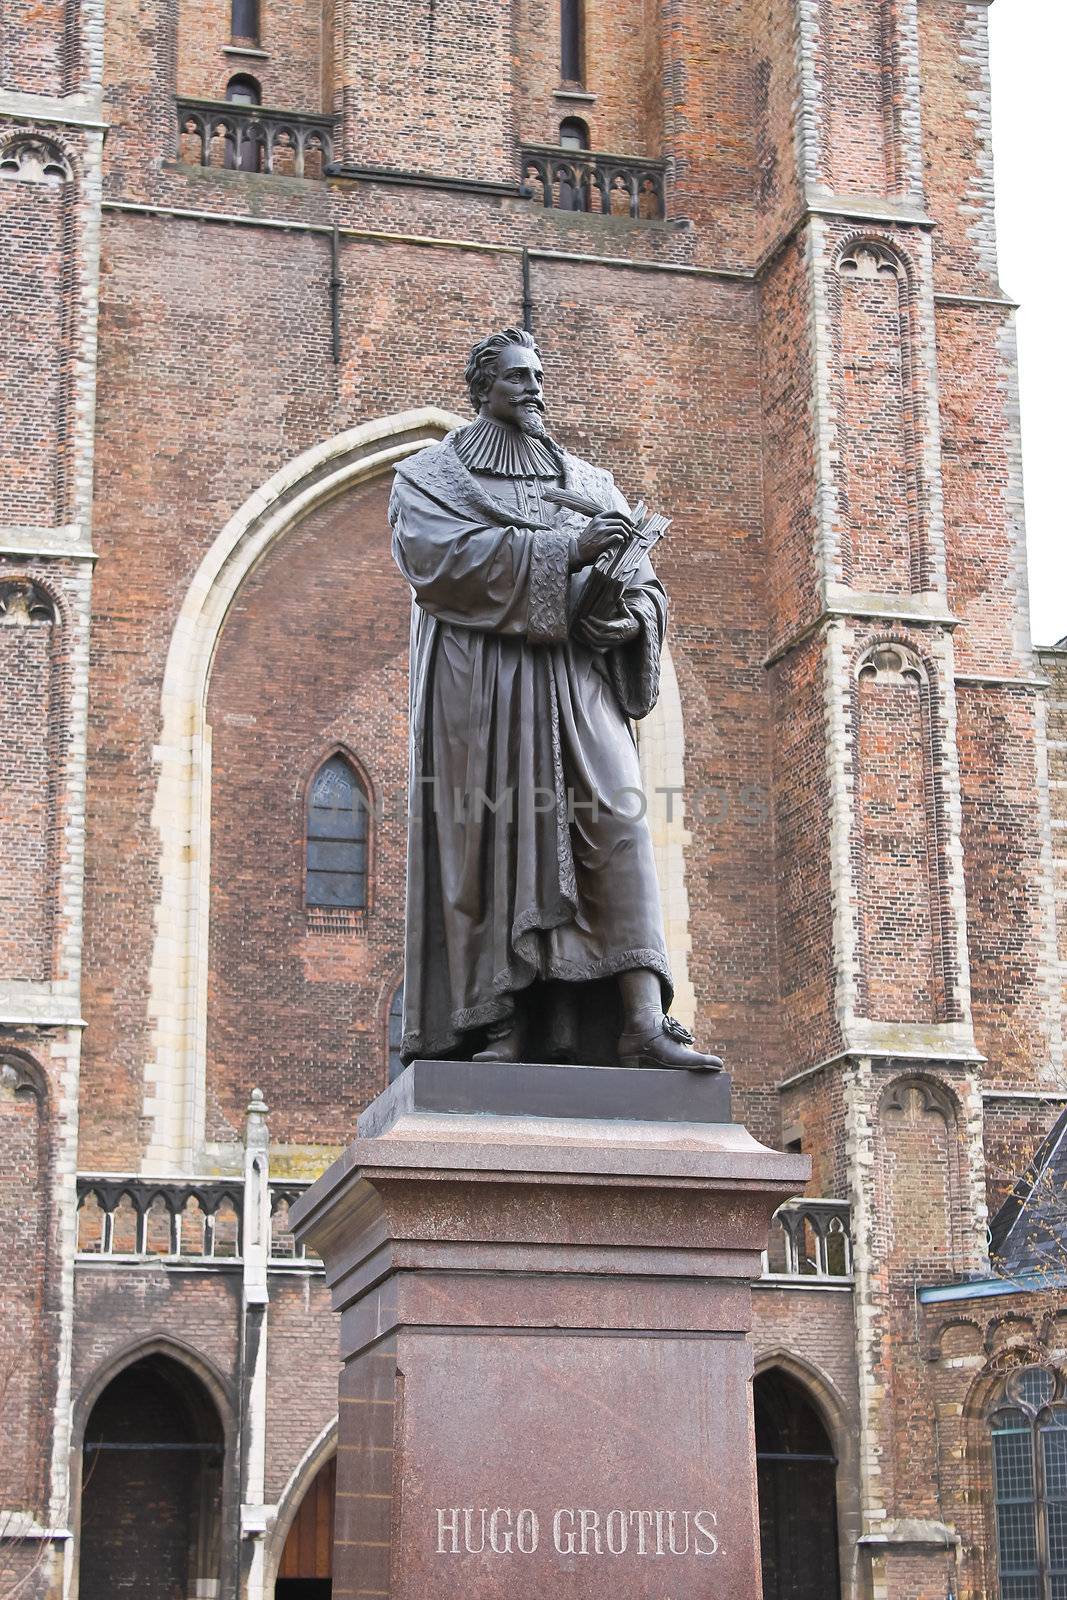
x: 531, y: 877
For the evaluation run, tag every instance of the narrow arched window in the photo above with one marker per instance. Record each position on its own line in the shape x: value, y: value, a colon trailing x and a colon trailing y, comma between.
x: 574, y: 134
x: 396, y: 1032
x: 243, y: 90
x: 1028, y: 1431
x: 244, y: 21
x: 338, y: 816
x: 570, y: 41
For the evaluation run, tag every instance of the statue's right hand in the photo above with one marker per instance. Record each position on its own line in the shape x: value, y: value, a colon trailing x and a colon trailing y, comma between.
x: 604, y: 532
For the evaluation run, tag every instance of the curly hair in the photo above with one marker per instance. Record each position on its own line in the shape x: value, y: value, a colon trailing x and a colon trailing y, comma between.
x: 481, y: 364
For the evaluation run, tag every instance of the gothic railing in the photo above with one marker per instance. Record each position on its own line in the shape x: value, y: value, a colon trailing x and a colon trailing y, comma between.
x: 220, y: 133
x: 283, y: 1194
x: 586, y: 180
x: 810, y: 1242
x: 193, y: 1219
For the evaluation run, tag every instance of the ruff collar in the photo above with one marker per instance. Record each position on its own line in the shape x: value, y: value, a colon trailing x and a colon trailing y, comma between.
x: 486, y: 445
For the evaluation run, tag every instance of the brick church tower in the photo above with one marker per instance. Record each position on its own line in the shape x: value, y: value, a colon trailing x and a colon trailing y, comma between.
x: 246, y: 248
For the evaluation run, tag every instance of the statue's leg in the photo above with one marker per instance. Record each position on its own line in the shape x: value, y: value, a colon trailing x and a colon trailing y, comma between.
x: 503, y: 1041
x: 649, y: 1039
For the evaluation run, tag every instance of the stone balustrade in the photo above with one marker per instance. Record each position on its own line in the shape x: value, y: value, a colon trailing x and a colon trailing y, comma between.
x: 244, y: 138
x: 190, y: 1219
x: 587, y: 180
x: 810, y: 1242
x: 201, y: 1219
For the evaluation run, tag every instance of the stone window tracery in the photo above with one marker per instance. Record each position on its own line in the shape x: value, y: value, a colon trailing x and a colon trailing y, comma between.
x: 1028, y: 1431
x: 34, y: 160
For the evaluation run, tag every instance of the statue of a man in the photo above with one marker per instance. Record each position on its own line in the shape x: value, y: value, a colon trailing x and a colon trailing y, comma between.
x: 534, y: 929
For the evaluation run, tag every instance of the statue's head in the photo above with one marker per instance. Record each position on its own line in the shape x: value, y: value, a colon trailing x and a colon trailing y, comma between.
x: 505, y: 380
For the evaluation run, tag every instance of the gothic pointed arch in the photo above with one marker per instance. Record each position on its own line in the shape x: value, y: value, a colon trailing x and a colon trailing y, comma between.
x: 154, y: 1447
x: 317, y: 1456
x: 175, y: 1086
x: 797, y: 1471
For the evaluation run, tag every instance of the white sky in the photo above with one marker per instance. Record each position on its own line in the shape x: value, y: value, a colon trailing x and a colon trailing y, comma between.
x: 1028, y: 57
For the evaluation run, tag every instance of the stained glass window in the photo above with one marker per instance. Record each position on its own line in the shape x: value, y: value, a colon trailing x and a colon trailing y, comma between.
x: 337, y: 837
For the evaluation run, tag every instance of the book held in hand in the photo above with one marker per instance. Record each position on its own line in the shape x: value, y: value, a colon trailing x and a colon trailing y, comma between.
x: 605, y: 585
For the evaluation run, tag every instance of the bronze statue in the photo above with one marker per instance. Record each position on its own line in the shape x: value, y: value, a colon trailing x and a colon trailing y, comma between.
x: 534, y: 929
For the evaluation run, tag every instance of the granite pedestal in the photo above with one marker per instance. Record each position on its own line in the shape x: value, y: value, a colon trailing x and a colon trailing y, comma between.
x: 543, y: 1275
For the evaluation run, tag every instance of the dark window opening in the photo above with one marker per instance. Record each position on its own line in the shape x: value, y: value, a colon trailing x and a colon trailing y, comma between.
x: 570, y: 50
x: 337, y: 838
x: 244, y: 21
x: 574, y: 134
x: 151, y: 1486
x: 243, y: 90
x: 303, y: 1589
x: 396, y: 1032
x: 796, y: 1474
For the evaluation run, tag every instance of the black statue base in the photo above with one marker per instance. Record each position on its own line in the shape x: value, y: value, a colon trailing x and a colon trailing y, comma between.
x: 542, y: 1089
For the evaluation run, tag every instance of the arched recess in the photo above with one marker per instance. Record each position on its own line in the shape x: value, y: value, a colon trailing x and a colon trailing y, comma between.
x: 175, y: 1076
x: 901, y: 863
x: 25, y: 1269
x: 880, y: 413
x: 33, y: 716
x: 920, y: 1173
x: 797, y: 1469
x: 318, y: 1455
x: 153, y: 1477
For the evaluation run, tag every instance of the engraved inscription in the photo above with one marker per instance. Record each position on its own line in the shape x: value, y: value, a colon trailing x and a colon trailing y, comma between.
x: 574, y: 1531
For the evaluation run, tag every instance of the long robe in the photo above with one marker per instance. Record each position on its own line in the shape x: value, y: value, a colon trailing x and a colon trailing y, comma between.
x: 531, y: 876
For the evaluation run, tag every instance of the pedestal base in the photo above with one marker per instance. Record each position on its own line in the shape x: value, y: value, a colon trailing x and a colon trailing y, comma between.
x: 543, y: 1327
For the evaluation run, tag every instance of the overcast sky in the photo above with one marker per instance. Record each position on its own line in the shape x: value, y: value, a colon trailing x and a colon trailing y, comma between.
x: 1029, y: 69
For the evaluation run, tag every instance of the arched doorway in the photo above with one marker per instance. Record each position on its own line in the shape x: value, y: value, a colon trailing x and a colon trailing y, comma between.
x: 306, y: 1567
x: 152, y: 1487
x: 796, y: 1471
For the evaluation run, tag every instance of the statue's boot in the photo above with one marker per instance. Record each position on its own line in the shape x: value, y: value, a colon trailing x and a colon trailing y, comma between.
x: 669, y: 1046
x: 504, y: 1043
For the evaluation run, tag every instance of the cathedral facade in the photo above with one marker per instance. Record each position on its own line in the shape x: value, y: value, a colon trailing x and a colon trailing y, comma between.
x: 246, y: 249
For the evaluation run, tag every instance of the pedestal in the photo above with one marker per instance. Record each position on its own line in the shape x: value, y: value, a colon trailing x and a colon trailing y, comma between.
x: 544, y: 1315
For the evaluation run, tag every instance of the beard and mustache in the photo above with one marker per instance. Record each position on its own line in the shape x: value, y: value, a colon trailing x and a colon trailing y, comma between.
x: 530, y: 418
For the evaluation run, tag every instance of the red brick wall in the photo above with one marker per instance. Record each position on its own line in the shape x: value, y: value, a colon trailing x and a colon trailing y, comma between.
x: 1005, y: 881
x: 853, y: 64
x: 957, y: 145
x: 802, y: 870
x: 400, y: 71
x: 293, y: 74
x: 622, y: 69
x: 37, y: 43
x: 980, y: 472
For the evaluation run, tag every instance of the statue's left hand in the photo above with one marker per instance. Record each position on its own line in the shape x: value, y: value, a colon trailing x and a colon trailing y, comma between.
x: 599, y: 635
